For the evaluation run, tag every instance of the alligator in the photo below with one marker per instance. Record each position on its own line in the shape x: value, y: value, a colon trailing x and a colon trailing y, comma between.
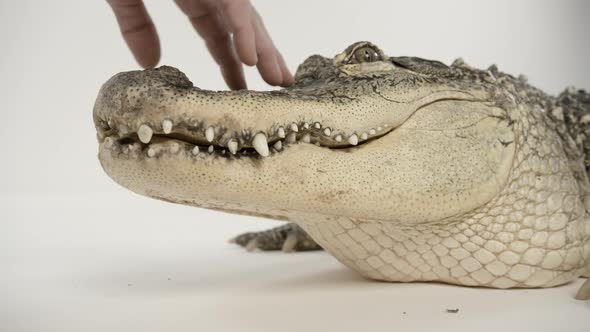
x: 404, y: 169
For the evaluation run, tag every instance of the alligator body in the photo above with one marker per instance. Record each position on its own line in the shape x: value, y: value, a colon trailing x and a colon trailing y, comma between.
x: 404, y: 169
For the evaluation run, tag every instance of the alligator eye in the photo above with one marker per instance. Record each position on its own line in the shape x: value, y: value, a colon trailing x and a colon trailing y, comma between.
x: 365, y: 54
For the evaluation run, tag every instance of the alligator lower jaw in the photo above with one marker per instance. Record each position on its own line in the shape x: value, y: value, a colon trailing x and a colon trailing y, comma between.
x: 192, y: 139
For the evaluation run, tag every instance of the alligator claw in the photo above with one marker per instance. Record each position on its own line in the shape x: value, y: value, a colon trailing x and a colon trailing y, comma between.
x: 584, y: 292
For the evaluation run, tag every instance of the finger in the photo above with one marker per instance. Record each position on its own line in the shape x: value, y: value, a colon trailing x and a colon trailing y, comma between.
x: 230, y: 65
x: 268, y: 56
x: 288, y: 79
x: 269, y: 68
x: 214, y: 32
x: 138, y: 31
x: 238, y: 15
x: 222, y: 50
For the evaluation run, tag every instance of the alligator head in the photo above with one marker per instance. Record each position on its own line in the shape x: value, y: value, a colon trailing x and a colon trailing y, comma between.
x: 362, y: 134
x: 405, y: 169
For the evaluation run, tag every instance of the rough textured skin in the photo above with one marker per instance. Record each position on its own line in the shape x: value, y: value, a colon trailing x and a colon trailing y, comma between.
x: 404, y: 169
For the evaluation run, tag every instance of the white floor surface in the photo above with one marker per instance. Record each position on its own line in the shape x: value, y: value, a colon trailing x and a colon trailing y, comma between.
x: 121, y: 262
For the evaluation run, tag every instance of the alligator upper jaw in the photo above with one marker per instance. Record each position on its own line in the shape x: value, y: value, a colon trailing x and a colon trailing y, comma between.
x: 141, y: 105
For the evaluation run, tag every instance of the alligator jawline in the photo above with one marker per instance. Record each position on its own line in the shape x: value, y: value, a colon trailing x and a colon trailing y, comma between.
x: 191, y: 137
x: 132, y: 141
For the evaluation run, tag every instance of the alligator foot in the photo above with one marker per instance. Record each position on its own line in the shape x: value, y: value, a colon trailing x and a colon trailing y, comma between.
x: 287, y: 238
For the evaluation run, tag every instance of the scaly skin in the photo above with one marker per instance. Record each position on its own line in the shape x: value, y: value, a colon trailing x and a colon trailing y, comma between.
x: 404, y: 169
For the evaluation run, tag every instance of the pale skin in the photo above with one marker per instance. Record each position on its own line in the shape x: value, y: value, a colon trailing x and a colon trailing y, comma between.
x: 231, y: 29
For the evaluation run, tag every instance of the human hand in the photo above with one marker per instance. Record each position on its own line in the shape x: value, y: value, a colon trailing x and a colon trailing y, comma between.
x: 232, y: 30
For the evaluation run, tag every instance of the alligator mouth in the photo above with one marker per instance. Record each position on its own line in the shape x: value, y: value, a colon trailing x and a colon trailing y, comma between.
x: 196, y: 139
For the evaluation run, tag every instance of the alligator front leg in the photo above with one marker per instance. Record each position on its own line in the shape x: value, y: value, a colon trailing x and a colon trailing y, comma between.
x: 288, y: 238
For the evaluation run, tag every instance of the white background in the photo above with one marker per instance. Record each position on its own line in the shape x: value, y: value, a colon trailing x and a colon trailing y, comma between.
x: 79, y: 253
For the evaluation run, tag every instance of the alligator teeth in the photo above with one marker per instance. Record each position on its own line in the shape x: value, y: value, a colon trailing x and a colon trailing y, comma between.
x: 379, y: 128
x: 338, y: 138
x: 364, y: 136
x: 195, y: 150
x: 211, y: 149
x: 353, y: 139
x: 291, y: 138
x: 372, y: 132
x: 294, y: 127
x: 281, y: 132
x: 305, y: 125
x: 327, y: 131
x: 167, y: 126
x: 210, y: 134
x: 260, y: 144
x: 123, y: 129
x: 232, y: 146
x: 108, y: 142
x: 278, y: 145
x: 317, y: 125
x: 145, y: 133
x: 151, y: 152
x: 306, y: 138
x: 174, y: 148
